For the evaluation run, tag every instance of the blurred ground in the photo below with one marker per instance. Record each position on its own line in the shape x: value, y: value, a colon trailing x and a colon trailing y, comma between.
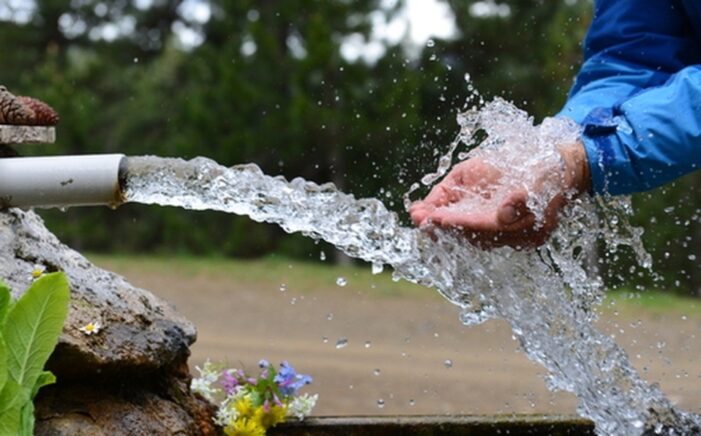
x: 399, y: 337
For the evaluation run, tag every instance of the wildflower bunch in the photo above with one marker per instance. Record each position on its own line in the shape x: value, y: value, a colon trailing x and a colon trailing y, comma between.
x: 248, y: 406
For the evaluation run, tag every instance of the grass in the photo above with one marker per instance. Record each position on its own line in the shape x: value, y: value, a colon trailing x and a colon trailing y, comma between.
x: 269, y: 272
x: 309, y: 277
x: 654, y: 302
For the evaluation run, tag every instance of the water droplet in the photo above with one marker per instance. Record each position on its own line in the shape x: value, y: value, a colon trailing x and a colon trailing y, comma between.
x: 412, y: 402
x: 283, y: 287
x: 377, y: 268
x: 325, y: 340
x: 691, y: 257
x: 376, y: 372
x: 342, y: 343
x: 322, y: 256
x: 329, y: 316
x: 341, y: 281
x: 367, y: 344
x: 136, y: 60
x: 448, y: 363
x: 380, y: 403
x: 430, y: 43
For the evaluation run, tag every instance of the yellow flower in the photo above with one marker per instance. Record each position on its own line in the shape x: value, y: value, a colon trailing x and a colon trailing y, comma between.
x: 244, y: 427
x: 274, y: 416
x: 244, y: 407
x: 37, y: 272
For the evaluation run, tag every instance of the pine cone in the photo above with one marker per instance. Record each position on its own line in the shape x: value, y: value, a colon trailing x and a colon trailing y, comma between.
x: 44, y: 115
x: 19, y: 110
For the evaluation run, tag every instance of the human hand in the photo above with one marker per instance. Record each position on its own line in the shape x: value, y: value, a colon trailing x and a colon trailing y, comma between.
x: 491, y: 210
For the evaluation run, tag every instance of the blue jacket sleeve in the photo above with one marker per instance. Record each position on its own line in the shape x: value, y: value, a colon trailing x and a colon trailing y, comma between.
x: 638, y: 96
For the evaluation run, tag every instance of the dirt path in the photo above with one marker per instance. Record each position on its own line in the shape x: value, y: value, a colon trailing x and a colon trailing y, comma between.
x: 398, y: 345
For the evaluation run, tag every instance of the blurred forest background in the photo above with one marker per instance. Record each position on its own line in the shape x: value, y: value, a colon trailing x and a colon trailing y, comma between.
x: 333, y: 90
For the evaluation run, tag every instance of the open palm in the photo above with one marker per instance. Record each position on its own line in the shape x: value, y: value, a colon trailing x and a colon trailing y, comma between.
x: 491, y: 209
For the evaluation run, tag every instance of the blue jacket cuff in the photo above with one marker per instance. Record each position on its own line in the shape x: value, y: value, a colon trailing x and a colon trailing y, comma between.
x: 610, y: 166
x: 596, y: 167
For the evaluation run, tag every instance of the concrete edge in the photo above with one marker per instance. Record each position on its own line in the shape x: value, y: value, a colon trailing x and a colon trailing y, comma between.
x: 10, y: 134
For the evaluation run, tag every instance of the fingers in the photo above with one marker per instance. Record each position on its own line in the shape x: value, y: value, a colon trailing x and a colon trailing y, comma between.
x: 510, y: 224
x: 511, y: 216
x: 441, y: 195
x: 419, y: 212
x: 468, y: 221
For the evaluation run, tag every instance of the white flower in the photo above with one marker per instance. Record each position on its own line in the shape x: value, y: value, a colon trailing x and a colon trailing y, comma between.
x: 91, y: 328
x: 302, y: 406
x: 227, y: 413
x: 38, y: 271
x: 203, y: 384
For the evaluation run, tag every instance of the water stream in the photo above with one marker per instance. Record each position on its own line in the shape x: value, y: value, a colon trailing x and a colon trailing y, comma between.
x: 547, y: 295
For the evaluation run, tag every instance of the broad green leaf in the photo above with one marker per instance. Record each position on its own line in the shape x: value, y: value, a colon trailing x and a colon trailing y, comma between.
x: 5, y: 302
x: 33, y: 327
x: 12, y: 400
x: 3, y: 363
x: 45, y: 378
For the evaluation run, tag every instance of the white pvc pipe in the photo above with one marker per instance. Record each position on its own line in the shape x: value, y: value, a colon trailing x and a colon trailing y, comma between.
x: 60, y: 181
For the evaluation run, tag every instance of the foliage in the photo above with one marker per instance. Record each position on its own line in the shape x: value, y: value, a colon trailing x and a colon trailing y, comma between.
x: 269, y: 85
x: 251, y: 405
x: 29, y: 331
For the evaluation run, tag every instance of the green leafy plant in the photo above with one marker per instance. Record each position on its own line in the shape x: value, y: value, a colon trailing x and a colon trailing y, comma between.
x: 29, y: 331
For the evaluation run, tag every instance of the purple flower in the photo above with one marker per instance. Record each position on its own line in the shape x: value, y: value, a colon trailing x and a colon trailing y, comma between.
x: 289, y: 381
x: 229, y: 381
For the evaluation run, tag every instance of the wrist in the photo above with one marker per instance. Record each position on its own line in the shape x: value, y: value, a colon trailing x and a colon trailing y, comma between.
x: 576, y: 168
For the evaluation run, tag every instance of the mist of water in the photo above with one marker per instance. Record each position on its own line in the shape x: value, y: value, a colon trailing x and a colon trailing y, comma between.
x: 547, y: 295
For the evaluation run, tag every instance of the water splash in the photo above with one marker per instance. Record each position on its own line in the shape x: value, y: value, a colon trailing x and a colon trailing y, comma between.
x: 547, y: 295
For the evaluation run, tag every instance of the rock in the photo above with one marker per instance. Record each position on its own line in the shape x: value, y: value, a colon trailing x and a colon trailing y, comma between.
x: 130, y: 378
x: 140, y: 331
x: 158, y: 405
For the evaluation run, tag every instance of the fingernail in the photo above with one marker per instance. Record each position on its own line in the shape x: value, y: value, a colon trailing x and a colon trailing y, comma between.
x: 508, y: 214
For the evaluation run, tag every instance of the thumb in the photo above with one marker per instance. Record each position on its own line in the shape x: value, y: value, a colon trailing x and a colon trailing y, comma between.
x: 513, y: 208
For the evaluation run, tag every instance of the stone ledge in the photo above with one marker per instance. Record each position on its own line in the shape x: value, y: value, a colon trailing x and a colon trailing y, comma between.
x: 27, y: 134
x: 551, y: 425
